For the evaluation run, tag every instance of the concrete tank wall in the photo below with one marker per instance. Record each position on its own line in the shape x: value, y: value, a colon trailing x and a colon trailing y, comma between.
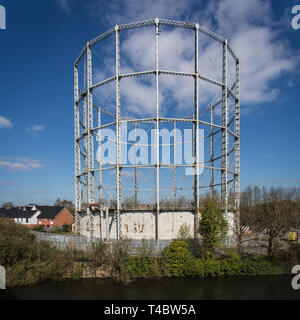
x: 170, y: 223
x: 138, y: 225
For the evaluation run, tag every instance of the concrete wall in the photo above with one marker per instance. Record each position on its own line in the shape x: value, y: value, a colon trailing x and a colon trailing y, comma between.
x: 170, y: 223
x: 138, y: 225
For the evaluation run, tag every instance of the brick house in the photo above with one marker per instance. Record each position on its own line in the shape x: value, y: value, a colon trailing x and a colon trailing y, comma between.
x: 53, y: 216
x: 32, y: 216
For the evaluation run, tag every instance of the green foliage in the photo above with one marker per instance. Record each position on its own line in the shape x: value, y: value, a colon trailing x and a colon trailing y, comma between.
x: 213, y: 226
x: 39, y: 229
x: 100, y: 254
x: 175, y: 256
x: 139, y: 266
x: 28, y: 261
x: 236, y: 265
x: 16, y: 243
x: 119, y: 261
x: 67, y: 228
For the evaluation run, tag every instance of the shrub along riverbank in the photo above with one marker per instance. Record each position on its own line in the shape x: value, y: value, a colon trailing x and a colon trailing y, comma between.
x: 28, y: 261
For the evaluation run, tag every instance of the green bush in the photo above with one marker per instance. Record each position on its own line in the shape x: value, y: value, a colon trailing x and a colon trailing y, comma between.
x: 175, y: 256
x: 39, y: 229
x: 28, y: 261
x: 139, y: 266
x: 67, y: 227
x: 213, y: 226
x: 16, y: 243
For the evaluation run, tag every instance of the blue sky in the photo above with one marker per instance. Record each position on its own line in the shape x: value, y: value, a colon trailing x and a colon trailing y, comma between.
x: 43, y: 38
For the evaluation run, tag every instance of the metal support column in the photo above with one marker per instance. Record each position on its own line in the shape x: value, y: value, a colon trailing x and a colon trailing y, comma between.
x: 175, y: 177
x: 196, y: 133
x: 85, y: 152
x: 237, y: 139
x: 91, y: 185
x: 135, y: 168
x: 224, y: 151
x: 100, y: 187
x: 107, y: 223
x: 118, y: 169
x: 157, y: 131
x: 77, y: 153
x: 211, y: 151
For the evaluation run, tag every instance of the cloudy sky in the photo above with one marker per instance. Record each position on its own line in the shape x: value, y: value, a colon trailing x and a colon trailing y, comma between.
x: 43, y: 38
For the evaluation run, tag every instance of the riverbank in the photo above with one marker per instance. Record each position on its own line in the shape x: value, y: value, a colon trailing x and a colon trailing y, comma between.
x: 28, y: 261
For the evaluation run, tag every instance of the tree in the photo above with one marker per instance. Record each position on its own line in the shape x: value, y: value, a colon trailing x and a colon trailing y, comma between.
x: 130, y: 202
x: 277, y: 213
x: 244, y: 216
x: 7, y: 205
x: 67, y: 227
x: 213, y: 226
x: 65, y: 203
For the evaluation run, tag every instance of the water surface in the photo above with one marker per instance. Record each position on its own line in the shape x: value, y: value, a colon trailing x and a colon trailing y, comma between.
x: 252, y: 287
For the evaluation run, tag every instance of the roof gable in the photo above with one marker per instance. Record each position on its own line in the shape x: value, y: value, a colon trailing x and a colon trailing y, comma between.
x: 49, y: 212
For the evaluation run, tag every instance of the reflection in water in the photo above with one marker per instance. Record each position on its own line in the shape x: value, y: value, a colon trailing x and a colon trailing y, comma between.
x: 255, y: 287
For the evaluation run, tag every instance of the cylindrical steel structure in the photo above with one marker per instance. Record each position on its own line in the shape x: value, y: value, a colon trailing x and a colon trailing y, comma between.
x: 164, y: 80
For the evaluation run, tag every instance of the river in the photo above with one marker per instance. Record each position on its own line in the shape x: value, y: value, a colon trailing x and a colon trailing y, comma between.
x: 252, y: 287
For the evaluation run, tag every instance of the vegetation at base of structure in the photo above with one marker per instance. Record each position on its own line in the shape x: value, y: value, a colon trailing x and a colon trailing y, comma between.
x: 177, y: 260
x: 213, y: 226
x: 39, y: 229
x: 28, y: 261
x: 65, y: 228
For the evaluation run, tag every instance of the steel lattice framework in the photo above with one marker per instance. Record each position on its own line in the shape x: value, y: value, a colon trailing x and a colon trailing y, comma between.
x: 89, y: 123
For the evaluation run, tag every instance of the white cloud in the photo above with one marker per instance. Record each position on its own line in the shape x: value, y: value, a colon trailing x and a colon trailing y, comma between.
x: 20, y: 163
x: 5, y: 122
x: 35, y: 128
x: 118, y: 12
x: 264, y: 57
x: 250, y: 27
